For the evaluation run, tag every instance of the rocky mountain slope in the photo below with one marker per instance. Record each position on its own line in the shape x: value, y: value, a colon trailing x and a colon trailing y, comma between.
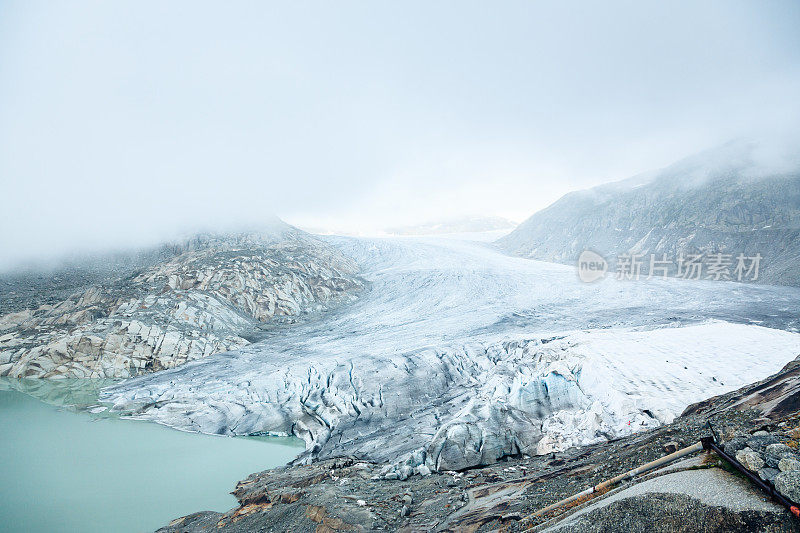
x: 209, y: 294
x: 720, y: 201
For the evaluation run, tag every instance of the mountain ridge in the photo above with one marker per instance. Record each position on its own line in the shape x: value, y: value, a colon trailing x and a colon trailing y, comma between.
x: 699, y: 205
x: 206, y: 294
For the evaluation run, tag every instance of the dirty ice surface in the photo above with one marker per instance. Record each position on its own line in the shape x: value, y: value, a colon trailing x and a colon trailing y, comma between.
x: 459, y: 355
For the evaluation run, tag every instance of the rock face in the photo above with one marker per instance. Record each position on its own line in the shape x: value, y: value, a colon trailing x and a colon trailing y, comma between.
x: 213, y: 295
x: 719, y: 201
x: 774, y: 397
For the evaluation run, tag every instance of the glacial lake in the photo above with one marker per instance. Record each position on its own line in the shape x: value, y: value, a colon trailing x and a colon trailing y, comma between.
x: 62, y: 469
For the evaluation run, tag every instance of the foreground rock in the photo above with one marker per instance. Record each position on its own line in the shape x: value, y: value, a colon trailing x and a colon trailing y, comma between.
x: 214, y: 294
x: 687, y: 501
x: 698, y: 495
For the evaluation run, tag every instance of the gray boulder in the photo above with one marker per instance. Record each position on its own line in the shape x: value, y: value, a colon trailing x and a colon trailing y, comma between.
x: 773, y: 453
x: 734, y: 445
x: 750, y: 459
x: 768, y: 474
x: 760, y: 442
x: 788, y: 464
x: 788, y: 484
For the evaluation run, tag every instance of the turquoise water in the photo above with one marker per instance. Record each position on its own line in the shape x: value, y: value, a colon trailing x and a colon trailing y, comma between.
x: 64, y: 470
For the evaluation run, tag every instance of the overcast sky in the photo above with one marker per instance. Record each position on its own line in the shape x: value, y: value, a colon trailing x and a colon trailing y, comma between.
x: 124, y: 122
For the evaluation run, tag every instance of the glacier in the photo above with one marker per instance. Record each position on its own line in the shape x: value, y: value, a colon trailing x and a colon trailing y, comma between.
x: 460, y: 355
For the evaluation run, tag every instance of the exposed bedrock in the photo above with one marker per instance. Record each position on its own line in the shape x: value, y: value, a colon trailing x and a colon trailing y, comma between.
x: 213, y: 295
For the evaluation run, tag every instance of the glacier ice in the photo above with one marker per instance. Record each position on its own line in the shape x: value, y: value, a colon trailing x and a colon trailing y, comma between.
x: 460, y: 355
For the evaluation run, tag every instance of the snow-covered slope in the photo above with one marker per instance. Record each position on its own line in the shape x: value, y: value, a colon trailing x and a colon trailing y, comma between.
x: 460, y: 355
x: 723, y: 200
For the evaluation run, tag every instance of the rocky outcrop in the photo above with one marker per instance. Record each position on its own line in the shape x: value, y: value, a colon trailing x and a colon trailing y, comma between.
x: 694, y: 491
x: 215, y: 294
x: 720, y: 201
x: 773, y: 398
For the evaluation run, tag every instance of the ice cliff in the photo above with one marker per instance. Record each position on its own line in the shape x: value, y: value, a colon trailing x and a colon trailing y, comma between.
x: 460, y: 355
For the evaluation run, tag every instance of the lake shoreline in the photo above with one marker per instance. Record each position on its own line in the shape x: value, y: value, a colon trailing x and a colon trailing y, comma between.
x: 127, y: 475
